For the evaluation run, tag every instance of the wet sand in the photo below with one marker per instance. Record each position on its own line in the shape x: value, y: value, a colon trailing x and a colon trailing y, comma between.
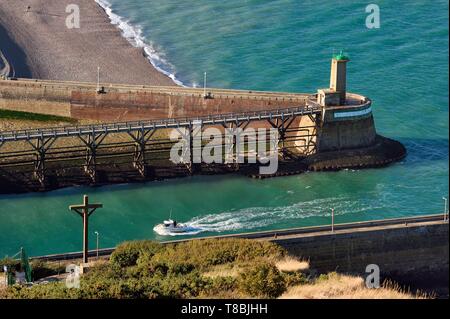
x: 37, y: 44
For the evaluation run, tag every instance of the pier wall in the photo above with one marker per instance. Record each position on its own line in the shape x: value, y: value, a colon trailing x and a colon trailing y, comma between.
x: 348, y: 127
x: 127, y: 103
x: 418, y: 253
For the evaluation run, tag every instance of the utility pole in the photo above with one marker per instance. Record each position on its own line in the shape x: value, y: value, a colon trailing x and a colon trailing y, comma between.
x: 85, y: 210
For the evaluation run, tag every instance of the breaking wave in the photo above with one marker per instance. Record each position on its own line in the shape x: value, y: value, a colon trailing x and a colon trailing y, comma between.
x: 134, y: 35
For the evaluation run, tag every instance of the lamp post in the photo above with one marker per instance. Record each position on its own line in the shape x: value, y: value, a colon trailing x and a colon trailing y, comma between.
x: 332, y: 220
x: 445, y: 208
x: 98, y: 79
x: 96, y: 233
x: 204, y: 85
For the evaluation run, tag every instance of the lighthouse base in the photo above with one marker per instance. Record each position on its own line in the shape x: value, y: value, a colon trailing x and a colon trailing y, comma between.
x: 381, y: 153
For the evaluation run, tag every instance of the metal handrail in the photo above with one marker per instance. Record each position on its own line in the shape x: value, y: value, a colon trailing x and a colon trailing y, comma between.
x: 153, y: 124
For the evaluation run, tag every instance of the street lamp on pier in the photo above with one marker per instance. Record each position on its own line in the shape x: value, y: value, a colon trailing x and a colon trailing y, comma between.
x: 445, y: 208
x: 332, y: 220
x: 97, y: 234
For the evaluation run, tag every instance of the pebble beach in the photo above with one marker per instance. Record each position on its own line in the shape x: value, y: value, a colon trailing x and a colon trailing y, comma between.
x: 36, y: 42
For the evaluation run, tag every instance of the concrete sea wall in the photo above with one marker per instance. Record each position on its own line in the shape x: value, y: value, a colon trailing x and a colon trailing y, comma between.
x: 126, y: 103
x: 409, y: 253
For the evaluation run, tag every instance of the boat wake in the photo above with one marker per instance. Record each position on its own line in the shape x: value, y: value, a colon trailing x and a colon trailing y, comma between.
x: 260, y: 217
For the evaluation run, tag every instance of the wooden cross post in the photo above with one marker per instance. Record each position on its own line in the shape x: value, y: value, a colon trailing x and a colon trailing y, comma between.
x: 85, y: 210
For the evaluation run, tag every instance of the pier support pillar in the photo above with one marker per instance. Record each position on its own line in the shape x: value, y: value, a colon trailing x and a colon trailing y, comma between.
x: 195, y: 147
x: 140, y: 141
x: 282, y: 125
x: 41, y: 146
x: 306, y: 137
x: 231, y: 146
x: 92, y: 142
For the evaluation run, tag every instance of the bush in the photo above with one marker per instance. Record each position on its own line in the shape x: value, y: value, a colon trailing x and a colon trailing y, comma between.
x: 264, y: 280
x: 146, y: 269
x: 294, y: 279
x: 186, y: 286
x: 210, y: 252
x: 12, y: 264
x: 127, y: 254
x: 220, y: 287
x: 326, y: 277
x: 44, y: 291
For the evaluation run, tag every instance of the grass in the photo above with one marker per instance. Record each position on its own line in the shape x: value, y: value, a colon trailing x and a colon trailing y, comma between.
x: 339, y: 286
x: 26, y: 116
x: 223, y: 271
x: 290, y: 264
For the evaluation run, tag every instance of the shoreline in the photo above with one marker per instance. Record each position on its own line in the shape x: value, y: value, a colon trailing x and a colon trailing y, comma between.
x: 12, y: 56
x: 137, y: 40
x: 37, y: 44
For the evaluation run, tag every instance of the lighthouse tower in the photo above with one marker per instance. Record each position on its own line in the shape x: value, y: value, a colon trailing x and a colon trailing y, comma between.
x: 335, y: 95
x: 338, y: 79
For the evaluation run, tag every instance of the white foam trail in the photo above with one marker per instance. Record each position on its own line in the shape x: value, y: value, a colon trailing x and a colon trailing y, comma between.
x: 258, y: 217
x: 134, y: 35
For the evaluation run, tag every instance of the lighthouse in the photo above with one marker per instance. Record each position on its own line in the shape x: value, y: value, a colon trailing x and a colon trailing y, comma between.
x: 338, y: 78
x: 335, y: 95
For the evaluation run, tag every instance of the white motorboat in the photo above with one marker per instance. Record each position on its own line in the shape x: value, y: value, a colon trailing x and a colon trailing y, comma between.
x: 172, y: 226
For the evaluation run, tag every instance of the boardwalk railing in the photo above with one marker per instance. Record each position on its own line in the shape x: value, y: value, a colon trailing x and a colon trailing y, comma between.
x: 66, y: 131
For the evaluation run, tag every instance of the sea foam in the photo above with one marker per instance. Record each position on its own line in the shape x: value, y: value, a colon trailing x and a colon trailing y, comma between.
x: 135, y: 37
x: 260, y: 217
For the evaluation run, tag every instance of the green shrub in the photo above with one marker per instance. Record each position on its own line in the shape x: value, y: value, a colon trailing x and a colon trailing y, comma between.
x: 127, y: 254
x: 185, y: 286
x: 264, y: 280
x: 104, y: 272
x: 181, y: 268
x: 294, y: 279
x: 210, y: 252
x: 146, y: 269
x: 325, y: 277
x: 56, y: 290
x: 220, y: 287
x: 12, y: 264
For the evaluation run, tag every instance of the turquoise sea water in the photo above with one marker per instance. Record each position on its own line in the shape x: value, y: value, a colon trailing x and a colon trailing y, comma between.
x: 281, y: 45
